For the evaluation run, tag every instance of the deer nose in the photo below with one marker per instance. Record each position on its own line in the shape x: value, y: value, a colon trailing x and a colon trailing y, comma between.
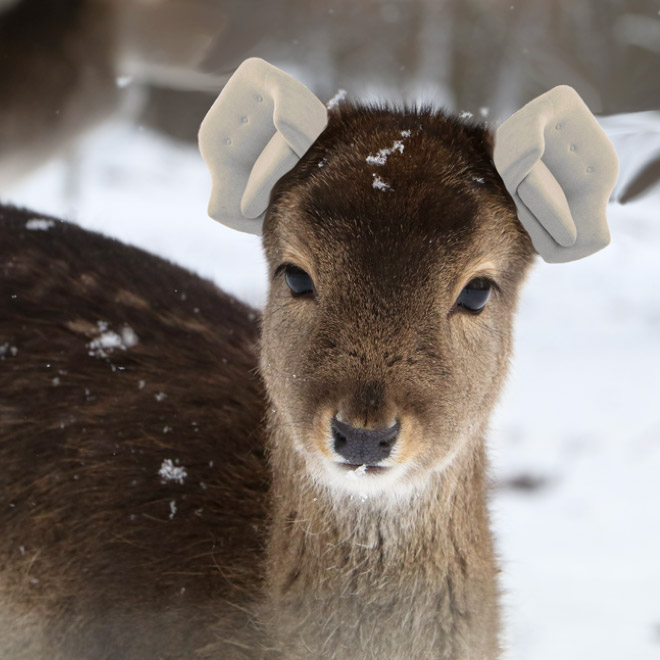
x: 361, y: 446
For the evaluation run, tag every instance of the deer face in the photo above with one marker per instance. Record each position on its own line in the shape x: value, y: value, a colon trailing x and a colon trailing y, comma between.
x: 396, y: 258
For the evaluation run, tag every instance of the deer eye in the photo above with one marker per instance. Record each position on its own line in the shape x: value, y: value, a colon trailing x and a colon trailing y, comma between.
x: 475, y: 295
x: 298, y: 280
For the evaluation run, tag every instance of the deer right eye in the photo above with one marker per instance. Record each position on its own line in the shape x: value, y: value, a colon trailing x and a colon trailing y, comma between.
x: 475, y: 295
x: 298, y: 280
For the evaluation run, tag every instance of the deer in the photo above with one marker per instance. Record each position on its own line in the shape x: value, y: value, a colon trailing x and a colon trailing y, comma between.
x: 57, y: 76
x: 184, y: 476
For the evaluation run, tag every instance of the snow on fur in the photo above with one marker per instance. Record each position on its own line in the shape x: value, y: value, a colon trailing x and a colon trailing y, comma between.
x: 39, y: 224
x: 171, y: 472
x: 382, y: 155
x: 108, y: 340
x: 336, y: 99
x: 379, y: 184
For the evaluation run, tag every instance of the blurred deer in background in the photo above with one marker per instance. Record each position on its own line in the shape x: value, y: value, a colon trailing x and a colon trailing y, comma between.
x: 56, y: 75
x: 70, y: 64
x: 182, y: 478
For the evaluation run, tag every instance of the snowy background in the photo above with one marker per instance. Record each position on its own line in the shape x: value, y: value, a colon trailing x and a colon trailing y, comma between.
x: 576, y: 439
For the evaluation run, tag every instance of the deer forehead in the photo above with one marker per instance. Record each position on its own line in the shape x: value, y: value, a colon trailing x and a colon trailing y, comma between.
x: 439, y: 176
x: 407, y: 152
x: 434, y: 217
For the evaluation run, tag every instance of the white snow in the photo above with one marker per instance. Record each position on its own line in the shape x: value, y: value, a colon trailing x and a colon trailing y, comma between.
x: 379, y: 184
x: 7, y: 349
x: 336, y: 99
x: 170, y: 472
x: 106, y: 341
x: 579, y: 556
x: 109, y: 340
x: 381, y: 157
x: 39, y: 224
x: 358, y: 472
x: 160, y: 396
x: 128, y: 337
x: 172, y: 509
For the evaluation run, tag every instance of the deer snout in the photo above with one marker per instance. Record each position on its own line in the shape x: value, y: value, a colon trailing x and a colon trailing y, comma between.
x: 360, y: 446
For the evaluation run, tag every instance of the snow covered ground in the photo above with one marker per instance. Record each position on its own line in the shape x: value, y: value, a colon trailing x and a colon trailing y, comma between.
x: 580, y: 419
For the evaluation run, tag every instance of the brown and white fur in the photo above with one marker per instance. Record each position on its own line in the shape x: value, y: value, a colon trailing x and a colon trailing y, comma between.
x: 272, y: 549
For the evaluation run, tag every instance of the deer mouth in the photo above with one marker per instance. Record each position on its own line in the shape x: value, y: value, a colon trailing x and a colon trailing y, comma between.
x: 362, y: 469
x: 365, y: 480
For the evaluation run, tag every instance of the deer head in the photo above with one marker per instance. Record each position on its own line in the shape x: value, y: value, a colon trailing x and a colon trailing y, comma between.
x: 396, y: 243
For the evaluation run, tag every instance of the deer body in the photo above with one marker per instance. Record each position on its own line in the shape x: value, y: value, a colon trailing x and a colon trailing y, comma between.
x: 307, y: 555
x: 96, y: 561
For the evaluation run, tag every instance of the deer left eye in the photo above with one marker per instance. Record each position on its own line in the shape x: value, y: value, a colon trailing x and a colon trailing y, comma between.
x: 298, y: 280
x: 475, y: 295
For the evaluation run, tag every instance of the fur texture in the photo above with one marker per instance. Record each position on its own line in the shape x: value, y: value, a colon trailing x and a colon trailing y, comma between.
x: 94, y: 564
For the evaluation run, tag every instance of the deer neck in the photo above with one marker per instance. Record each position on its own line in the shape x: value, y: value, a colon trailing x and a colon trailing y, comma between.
x: 426, y: 558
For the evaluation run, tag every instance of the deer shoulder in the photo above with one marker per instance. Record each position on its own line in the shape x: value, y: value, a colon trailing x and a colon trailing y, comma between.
x: 133, y: 476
